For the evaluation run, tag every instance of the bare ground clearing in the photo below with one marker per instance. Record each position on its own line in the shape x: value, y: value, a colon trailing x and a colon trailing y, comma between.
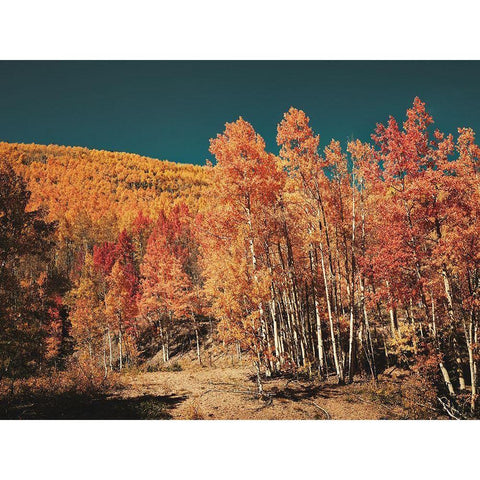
x: 223, y: 388
x: 228, y: 393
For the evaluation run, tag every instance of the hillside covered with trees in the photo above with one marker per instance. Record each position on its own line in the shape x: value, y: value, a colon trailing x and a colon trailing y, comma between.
x: 341, y: 262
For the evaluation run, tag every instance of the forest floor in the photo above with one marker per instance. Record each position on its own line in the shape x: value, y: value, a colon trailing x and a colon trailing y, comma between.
x: 224, y: 389
x: 229, y: 393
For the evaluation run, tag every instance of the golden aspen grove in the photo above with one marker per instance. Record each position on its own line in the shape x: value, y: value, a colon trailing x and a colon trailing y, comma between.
x: 318, y: 276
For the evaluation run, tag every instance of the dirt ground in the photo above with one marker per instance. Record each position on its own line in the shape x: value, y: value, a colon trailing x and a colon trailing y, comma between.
x: 228, y: 393
x: 222, y: 388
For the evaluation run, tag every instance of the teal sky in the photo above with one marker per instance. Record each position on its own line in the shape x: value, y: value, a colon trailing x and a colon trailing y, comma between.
x: 169, y: 110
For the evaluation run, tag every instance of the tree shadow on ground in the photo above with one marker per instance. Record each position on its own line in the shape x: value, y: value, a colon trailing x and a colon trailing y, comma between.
x: 101, y: 407
x: 296, y: 391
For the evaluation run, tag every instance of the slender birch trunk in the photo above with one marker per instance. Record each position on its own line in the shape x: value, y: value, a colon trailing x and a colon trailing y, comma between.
x: 338, y: 368
x: 198, y: 345
x: 120, y: 352
x: 110, y: 353
x: 105, y: 354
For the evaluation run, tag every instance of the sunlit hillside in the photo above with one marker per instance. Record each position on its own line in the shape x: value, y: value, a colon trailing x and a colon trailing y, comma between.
x: 96, y: 193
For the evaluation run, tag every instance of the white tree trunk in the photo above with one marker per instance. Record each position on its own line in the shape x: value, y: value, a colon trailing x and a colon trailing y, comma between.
x: 120, y: 352
x: 338, y: 368
x: 110, y: 349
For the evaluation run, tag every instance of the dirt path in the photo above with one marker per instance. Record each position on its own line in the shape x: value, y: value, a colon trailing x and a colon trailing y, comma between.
x: 224, y: 393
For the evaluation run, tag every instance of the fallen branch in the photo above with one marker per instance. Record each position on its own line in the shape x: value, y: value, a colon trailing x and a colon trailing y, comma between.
x: 426, y: 406
x: 221, y: 383
x: 216, y: 390
x: 327, y: 415
x: 390, y: 372
x: 450, y: 410
x: 296, y: 380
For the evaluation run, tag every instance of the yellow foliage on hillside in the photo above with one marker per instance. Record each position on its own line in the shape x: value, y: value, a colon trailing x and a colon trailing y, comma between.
x: 94, y: 194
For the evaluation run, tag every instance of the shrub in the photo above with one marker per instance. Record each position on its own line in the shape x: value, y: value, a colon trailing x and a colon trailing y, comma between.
x: 174, y: 367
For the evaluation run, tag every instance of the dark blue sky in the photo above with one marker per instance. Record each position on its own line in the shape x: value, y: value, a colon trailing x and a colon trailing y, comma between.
x: 169, y: 110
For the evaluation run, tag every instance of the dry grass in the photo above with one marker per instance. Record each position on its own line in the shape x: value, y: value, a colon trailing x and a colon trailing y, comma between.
x: 55, y: 390
x: 194, y: 412
x: 76, y: 379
